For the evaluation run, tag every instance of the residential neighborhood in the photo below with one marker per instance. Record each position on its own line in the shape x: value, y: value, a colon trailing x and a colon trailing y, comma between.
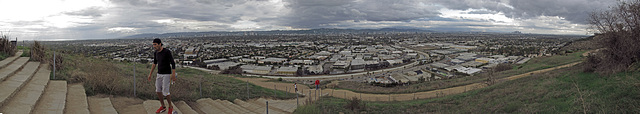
x: 436, y: 55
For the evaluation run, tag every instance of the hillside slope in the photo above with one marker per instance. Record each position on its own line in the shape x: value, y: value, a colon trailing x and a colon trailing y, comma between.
x: 567, y: 90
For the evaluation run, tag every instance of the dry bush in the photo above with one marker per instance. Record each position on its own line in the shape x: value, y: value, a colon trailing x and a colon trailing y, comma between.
x: 77, y: 76
x: 6, y: 47
x: 502, y: 67
x: 355, y: 104
x: 38, y: 52
x: 591, y: 64
x: 617, y: 31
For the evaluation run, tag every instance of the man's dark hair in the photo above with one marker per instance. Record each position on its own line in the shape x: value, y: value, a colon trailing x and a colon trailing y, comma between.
x: 157, y: 40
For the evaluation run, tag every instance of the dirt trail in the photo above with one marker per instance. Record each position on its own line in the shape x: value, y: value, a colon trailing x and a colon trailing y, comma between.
x: 388, y: 97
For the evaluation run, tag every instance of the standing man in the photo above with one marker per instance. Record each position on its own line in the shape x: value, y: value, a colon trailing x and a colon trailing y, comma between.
x: 317, y: 84
x: 295, y: 85
x: 166, y: 72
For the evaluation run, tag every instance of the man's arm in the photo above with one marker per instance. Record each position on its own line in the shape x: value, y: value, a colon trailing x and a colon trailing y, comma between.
x: 155, y: 62
x: 150, y: 73
x: 173, y: 67
x: 173, y: 74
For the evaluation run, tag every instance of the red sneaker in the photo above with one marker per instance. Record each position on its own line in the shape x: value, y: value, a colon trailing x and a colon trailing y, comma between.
x: 170, y: 110
x: 162, y: 109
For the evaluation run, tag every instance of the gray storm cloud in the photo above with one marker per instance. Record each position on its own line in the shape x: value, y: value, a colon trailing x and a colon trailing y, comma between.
x: 312, y: 13
x: 223, y: 15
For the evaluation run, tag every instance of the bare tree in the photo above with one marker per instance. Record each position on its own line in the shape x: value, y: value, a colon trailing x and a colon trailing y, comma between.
x: 617, y: 32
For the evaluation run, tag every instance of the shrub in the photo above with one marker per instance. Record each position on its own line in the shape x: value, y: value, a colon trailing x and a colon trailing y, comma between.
x: 502, y: 67
x: 355, y: 104
x: 591, y: 64
x: 37, y: 52
x: 617, y: 31
x: 6, y: 47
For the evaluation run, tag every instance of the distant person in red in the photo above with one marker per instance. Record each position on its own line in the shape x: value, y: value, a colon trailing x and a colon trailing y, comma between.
x: 317, y: 84
x: 166, y: 72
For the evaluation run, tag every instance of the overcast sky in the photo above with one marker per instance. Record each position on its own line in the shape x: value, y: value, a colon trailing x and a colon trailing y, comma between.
x: 87, y: 19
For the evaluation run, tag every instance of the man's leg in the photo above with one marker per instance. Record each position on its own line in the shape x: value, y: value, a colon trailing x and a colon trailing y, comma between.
x: 161, y: 98
x: 159, y: 89
x: 169, y: 101
x: 166, y: 84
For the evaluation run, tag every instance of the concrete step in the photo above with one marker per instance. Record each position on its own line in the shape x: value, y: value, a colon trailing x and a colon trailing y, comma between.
x: 53, y: 99
x: 236, y: 107
x: 76, y: 100
x: 12, y: 68
x: 12, y: 85
x: 25, y: 100
x: 152, y: 105
x: 206, y: 107
x: 133, y: 109
x: 249, y: 106
x: 260, y: 109
x: 228, y: 106
x: 185, y: 108
x: 219, y: 106
x: 262, y: 102
x: 285, y: 105
x: 101, y: 105
x: 8, y: 60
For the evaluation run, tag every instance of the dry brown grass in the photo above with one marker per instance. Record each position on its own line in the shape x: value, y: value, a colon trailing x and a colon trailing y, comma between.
x: 38, y: 52
x: 6, y: 47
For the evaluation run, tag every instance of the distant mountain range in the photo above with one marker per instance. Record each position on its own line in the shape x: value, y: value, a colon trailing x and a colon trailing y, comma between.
x: 278, y: 32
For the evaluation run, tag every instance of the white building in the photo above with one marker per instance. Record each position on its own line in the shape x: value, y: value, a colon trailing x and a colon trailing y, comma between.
x: 341, y: 64
x: 253, y: 69
x: 358, y: 64
x: 315, y: 69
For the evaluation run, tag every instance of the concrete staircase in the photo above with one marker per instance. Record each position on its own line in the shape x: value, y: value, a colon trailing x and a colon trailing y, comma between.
x: 210, y: 106
x: 25, y: 87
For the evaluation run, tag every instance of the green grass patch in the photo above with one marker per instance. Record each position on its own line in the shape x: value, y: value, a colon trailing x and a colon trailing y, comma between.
x: 308, y: 109
x: 3, y: 56
x: 26, y: 51
x: 566, y: 90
